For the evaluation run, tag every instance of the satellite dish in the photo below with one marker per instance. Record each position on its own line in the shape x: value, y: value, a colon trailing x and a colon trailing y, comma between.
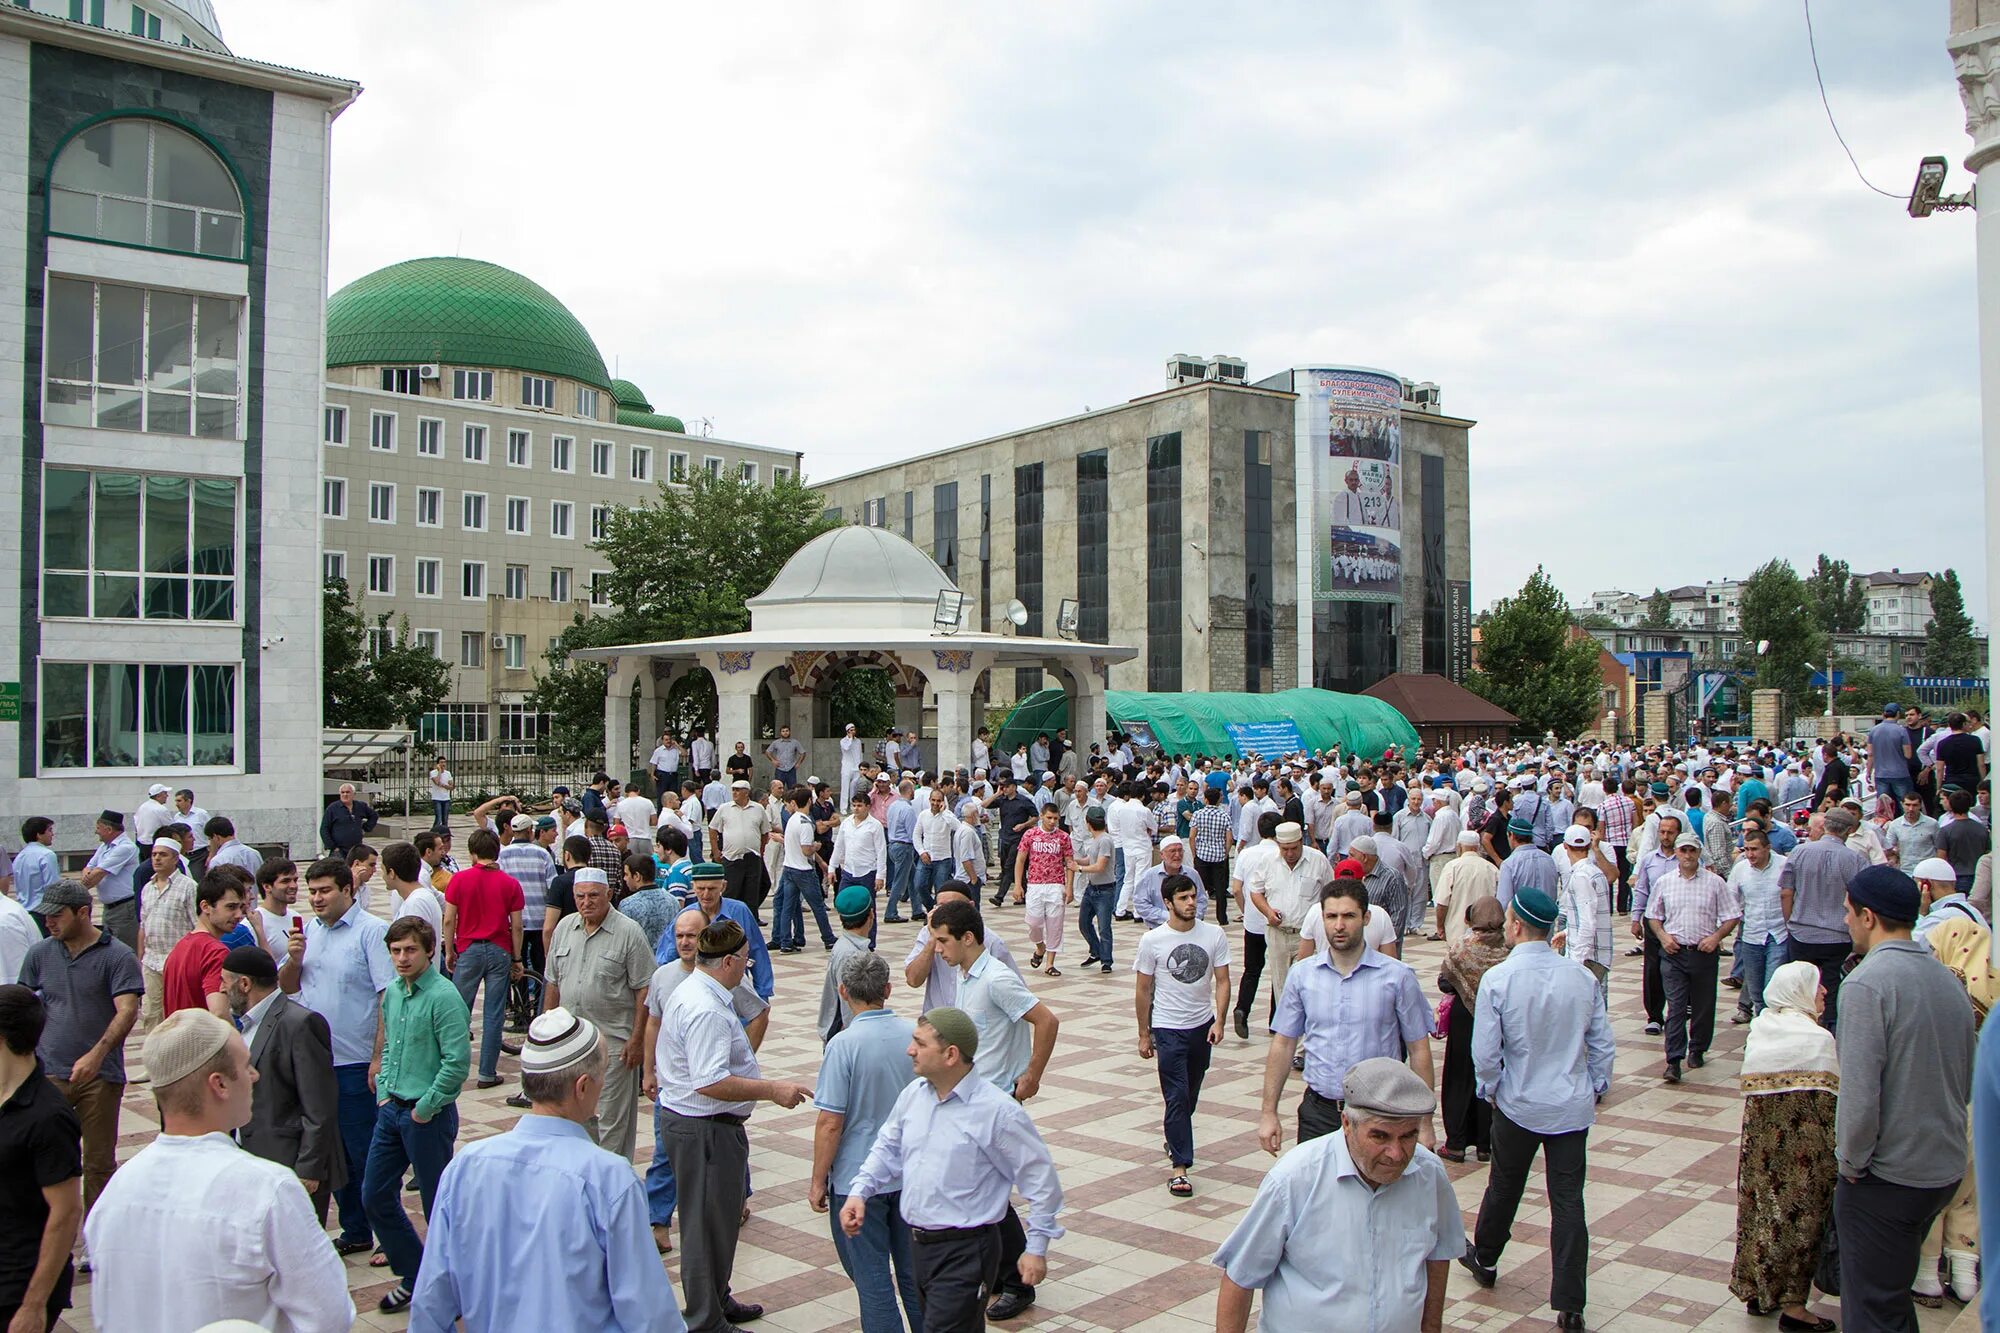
x: 1017, y: 612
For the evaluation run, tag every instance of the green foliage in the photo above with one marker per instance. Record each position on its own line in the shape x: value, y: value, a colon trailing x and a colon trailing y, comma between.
x: 866, y: 698
x: 1839, y: 597
x: 1531, y: 666
x: 1597, y: 620
x: 682, y: 566
x: 392, y: 690
x: 1774, y: 607
x: 1949, y: 648
x: 1864, y: 689
x: 1659, y: 611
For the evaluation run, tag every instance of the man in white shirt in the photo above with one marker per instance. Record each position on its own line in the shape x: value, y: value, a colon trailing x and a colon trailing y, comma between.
x: 154, y: 813
x: 860, y: 849
x: 411, y: 895
x: 799, y: 883
x: 1131, y: 826
x: 441, y: 786
x: 935, y: 840
x: 701, y: 752
x: 635, y: 811
x: 263, y: 1257
x: 1255, y: 931
x: 17, y: 936
x: 1285, y: 889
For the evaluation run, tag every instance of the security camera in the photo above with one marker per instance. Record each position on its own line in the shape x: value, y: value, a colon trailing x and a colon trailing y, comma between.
x: 273, y: 641
x: 1927, y: 195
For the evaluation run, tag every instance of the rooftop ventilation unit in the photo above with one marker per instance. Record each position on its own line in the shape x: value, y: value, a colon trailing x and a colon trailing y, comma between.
x: 1425, y: 397
x: 1228, y: 370
x: 1185, y: 369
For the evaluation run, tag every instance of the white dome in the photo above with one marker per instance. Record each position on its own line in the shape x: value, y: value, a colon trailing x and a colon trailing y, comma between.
x: 850, y: 578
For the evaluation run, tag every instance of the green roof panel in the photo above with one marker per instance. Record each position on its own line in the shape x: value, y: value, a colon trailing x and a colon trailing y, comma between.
x: 627, y: 394
x: 650, y: 421
x: 463, y: 312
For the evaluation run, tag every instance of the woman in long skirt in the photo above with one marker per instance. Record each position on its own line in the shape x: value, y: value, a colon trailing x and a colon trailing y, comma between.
x: 1786, y: 1170
x: 1468, y: 1122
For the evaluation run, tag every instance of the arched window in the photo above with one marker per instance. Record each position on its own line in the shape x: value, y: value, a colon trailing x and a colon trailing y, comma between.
x: 141, y: 182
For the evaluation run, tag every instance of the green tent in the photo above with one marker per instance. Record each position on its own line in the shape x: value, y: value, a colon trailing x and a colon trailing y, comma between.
x: 1225, y: 724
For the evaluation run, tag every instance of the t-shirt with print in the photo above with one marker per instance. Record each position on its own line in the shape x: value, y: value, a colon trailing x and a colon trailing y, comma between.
x: 1182, y: 964
x: 1046, y: 849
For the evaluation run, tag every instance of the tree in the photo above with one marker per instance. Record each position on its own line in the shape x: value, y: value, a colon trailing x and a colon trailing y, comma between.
x: 1531, y: 665
x: 1773, y: 607
x: 682, y: 565
x: 393, y: 688
x: 1839, y: 597
x: 1865, y: 690
x: 1659, y: 612
x: 1597, y: 620
x: 1949, y: 648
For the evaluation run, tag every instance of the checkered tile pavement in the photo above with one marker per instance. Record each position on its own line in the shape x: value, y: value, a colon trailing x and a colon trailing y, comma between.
x: 1660, y: 1197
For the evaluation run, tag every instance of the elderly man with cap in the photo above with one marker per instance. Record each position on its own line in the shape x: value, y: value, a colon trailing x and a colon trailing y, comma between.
x: 1584, y: 907
x: 1388, y: 888
x: 958, y: 1145
x: 1652, y: 865
x: 1690, y: 912
x: 1937, y: 885
x: 1541, y: 1054
x: 709, y: 885
x: 709, y: 1084
x: 1148, y: 903
x: 1353, y: 822
x: 170, y: 1236
x: 1527, y: 865
x: 167, y: 915
x: 600, y: 963
x: 1354, y: 1230
x: 855, y: 906
x: 1463, y: 880
x: 1283, y: 888
x: 537, y: 1227
x: 295, y: 1116
x: 154, y: 813
x: 108, y: 874
x: 742, y: 828
x: 1813, y: 892
x: 1906, y: 1047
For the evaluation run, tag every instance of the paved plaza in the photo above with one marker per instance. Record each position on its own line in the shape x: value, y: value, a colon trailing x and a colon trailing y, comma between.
x: 1661, y: 1194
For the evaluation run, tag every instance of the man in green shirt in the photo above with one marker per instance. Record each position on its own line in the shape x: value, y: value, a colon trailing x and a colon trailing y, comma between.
x: 426, y: 1052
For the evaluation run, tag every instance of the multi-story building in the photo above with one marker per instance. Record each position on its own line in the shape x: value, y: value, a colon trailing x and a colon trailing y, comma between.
x: 164, y: 289
x: 473, y: 446
x: 1245, y: 537
x: 1898, y: 603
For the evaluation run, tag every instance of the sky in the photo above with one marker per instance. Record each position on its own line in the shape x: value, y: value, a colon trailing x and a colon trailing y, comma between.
x: 1621, y: 237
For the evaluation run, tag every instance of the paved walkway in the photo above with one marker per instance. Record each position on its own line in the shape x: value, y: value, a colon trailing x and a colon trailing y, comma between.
x: 1661, y: 1194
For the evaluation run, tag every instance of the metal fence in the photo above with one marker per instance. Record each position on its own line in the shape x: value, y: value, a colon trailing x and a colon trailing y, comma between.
x: 479, y: 770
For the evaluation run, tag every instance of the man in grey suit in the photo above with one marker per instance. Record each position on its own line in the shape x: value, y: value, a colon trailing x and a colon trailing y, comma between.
x: 295, y: 1114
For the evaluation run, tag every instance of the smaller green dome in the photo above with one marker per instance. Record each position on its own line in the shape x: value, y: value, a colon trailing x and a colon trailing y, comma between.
x: 650, y: 420
x: 627, y: 394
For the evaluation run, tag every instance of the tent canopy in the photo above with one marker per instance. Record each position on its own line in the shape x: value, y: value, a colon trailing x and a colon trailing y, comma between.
x: 1225, y: 724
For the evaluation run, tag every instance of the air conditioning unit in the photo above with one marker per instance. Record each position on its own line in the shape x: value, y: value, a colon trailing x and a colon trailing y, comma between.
x: 427, y: 372
x: 499, y: 641
x: 1426, y: 396
x: 1184, y: 369
x: 1228, y: 370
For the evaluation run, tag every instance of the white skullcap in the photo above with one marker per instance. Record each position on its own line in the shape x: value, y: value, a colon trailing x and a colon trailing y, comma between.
x: 556, y: 1040
x: 1934, y: 867
x: 183, y: 1043
x: 589, y: 875
x: 1467, y: 838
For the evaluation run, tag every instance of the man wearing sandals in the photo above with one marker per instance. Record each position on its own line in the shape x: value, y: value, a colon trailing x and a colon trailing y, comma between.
x: 1182, y: 988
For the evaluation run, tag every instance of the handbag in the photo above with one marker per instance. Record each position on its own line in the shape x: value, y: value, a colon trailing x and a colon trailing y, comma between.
x: 1444, y: 1015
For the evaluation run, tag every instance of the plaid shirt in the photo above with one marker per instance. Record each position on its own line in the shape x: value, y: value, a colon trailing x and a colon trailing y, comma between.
x: 1210, y: 826
x: 1691, y: 910
x: 1616, y: 816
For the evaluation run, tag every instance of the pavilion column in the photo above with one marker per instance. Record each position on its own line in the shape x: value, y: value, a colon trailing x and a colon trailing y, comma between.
x: 618, y: 682
x: 736, y: 681
x: 956, y: 681
x: 1086, y: 709
x: 652, y: 698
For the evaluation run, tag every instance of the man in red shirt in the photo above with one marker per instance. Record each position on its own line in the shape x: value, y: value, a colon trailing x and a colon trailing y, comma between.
x: 482, y: 941
x: 192, y: 978
x: 1046, y: 864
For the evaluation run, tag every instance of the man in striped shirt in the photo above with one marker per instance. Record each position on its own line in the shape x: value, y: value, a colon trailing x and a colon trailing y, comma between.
x: 1691, y: 912
x: 1209, y: 827
x: 1615, y: 816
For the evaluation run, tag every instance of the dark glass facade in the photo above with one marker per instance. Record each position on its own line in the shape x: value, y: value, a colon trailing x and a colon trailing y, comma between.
x: 944, y: 528
x: 909, y: 516
x: 1354, y: 644
x: 1093, y: 546
x: 1259, y: 614
x: 1028, y: 563
x: 1163, y: 562
x: 986, y: 552
x: 1435, y: 618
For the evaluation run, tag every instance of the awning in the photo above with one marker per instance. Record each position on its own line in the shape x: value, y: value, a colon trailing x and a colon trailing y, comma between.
x: 1211, y: 723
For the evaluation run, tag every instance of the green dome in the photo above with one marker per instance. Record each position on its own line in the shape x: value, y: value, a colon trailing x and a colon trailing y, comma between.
x: 627, y: 394
x: 650, y: 421
x: 462, y: 312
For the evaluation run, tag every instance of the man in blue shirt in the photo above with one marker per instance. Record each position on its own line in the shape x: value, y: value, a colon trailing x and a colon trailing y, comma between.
x: 1889, y: 755
x: 867, y: 1066
x: 36, y: 868
x: 708, y: 884
x: 1541, y: 1053
x: 109, y: 876
x: 538, y: 1227
x: 900, y: 827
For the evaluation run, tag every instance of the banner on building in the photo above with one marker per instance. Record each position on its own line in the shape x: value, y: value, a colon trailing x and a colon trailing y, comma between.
x: 1355, y: 433
x: 1268, y: 739
x: 1458, y: 629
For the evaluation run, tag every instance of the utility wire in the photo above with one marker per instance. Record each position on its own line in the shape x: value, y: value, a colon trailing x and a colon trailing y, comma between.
x: 1813, y: 47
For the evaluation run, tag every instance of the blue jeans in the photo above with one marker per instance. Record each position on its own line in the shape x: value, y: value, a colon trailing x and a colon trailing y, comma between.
x: 440, y: 814
x: 1094, y: 919
x: 661, y: 1194
x: 1759, y: 962
x: 884, y: 1240
x: 1895, y: 788
x: 357, y: 1133
x: 867, y: 882
x: 399, y: 1144
x: 902, y: 873
x: 488, y: 962
x: 1182, y: 1057
x: 930, y: 877
x: 788, y: 776
x: 798, y: 888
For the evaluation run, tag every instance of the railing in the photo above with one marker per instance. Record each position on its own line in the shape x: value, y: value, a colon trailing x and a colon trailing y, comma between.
x: 479, y: 770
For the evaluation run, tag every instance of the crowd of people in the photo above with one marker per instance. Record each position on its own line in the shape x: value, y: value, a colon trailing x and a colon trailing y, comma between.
x: 307, y: 1057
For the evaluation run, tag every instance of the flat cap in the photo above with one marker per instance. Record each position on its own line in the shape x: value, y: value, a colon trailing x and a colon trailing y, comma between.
x: 954, y: 1028
x: 1386, y: 1089
x: 706, y: 870
x: 853, y: 903
x: 1887, y: 892
x: 63, y: 893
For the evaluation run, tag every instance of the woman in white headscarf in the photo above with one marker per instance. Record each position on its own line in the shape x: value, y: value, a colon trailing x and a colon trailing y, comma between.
x: 1786, y: 1171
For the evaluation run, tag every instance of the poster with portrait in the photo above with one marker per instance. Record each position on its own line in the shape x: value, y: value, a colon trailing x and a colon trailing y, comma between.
x: 1356, y: 436
x: 1363, y: 562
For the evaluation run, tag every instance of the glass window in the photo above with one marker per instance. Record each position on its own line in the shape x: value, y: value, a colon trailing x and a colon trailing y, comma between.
x: 335, y: 418
x: 747, y: 472
x: 333, y: 497
x: 1163, y: 562
x: 454, y: 722
x: 642, y: 463
x: 133, y: 359
x: 382, y: 431
x: 476, y: 385
x: 600, y: 519
x: 471, y: 649
x: 944, y: 528
x: 430, y: 640
x: 517, y: 515
x: 562, y: 454
x: 586, y: 402
x: 333, y: 565
x: 559, y: 584
x: 1093, y: 546
x: 780, y: 475
x: 1437, y: 615
x: 600, y: 458
x: 472, y: 580
x: 677, y: 467
x: 403, y: 379
x: 141, y: 182
x: 712, y: 465
x: 1259, y: 614
x: 123, y: 715
x: 120, y: 545
x: 536, y: 391
x: 430, y: 437
x: 600, y: 587
x: 382, y: 574
x: 519, y: 448
x: 430, y: 507
x: 475, y: 443
x: 514, y: 583
x: 516, y: 649
x: 472, y: 512
x: 1027, y: 560
x: 381, y: 502
x: 561, y: 516
x: 381, y: 639
x: 427, y: 577
x: 520, y: 725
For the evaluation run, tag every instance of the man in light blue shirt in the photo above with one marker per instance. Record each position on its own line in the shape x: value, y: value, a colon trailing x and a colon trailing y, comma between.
x: 109, y: 876
x: 35, y: 868
x: 1541, y: 1053
x: 899, y: 827
x: 959, y: 1146
x: 709, y: 883
x: 538, y: 1227
x: 1353, y: 1231
x: 1526, y: 865
x: 866, y: 1068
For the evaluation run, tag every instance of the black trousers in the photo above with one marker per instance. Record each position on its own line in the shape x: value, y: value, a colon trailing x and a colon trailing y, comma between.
x: 1652, y: 991
x: 1690, y: 977
x: 1010, y: 849
x: 955, y: 1276
x: 1215, y: 879
x: 1569, y: 1235
x: 1882, y: 1228
x: 1468, y: 1122
x: 1622, y: 890
x: 1013, y: 1244
x: 1318, y: 1116
x: 1253, y: 972
x: 743, y: 880
x: 1828, y: 958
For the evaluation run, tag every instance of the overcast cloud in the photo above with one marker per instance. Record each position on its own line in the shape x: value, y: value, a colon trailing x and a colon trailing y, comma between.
x: 1621, y: 237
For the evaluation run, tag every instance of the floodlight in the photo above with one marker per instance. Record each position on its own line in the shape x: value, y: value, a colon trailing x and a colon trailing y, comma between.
x: 1017, y: 612
x: 950, y: 606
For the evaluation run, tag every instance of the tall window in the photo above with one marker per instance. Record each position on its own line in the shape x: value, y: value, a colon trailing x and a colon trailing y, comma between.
x: 600, y: 458
x: 430, y: 437
x: 537, y: 391
x: 472, y: 512
x: 559, y: 578
x: 475, y: 443
x: 909, y: 515
x: 334, y: 420
x: 600, y: 521
x: 1436, y: 633
x: 120, y: 546
x: 428, y: 571
x: 381, y: 502
x: 476, y: 385
x: 600, y: 587
x: 514, y: 583
x: 381, y: 639
x: 472, y: 580
x: 712, y: 465
x: 403, y: 379
x: 1259, y: 612
x: 586, y: 402
x: 986, y: 550
x: 520, y: 450
x: 430, y: 640
x: 333, y: 497
x: 515, y: 647
x: 332, y: 565
x: 642, y: 463
x: 430, y: 507
x: 471, y: 649
x: 131, y: 358
x: 1093, y: 546
x: 746, y: 472
x: 562, y: 453
x: 677, y: 468
x: 561, y: 518
x: 382, y: 574
x: 131, y: 715
x: 141, y: 182
x: 1028, y: 563
x: 382, y: 432
x: 1163, y: 562
x: 944, y: 528
x: 517, y: 515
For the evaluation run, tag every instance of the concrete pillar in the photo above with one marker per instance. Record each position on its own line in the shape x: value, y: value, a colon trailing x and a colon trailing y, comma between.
x: 1975, y: 55
x: 618, y: 684
x: 1653, y: 718
x: 1086, y: 711
x: 652, y: 709
x: 1767, y: 715
x: 735, y: 714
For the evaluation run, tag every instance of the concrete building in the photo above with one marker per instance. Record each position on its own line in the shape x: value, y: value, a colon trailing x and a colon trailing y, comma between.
x: 474, y: 445
x: 164, y: 294
x: 1244, y: 536
x: 1898, y: 603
